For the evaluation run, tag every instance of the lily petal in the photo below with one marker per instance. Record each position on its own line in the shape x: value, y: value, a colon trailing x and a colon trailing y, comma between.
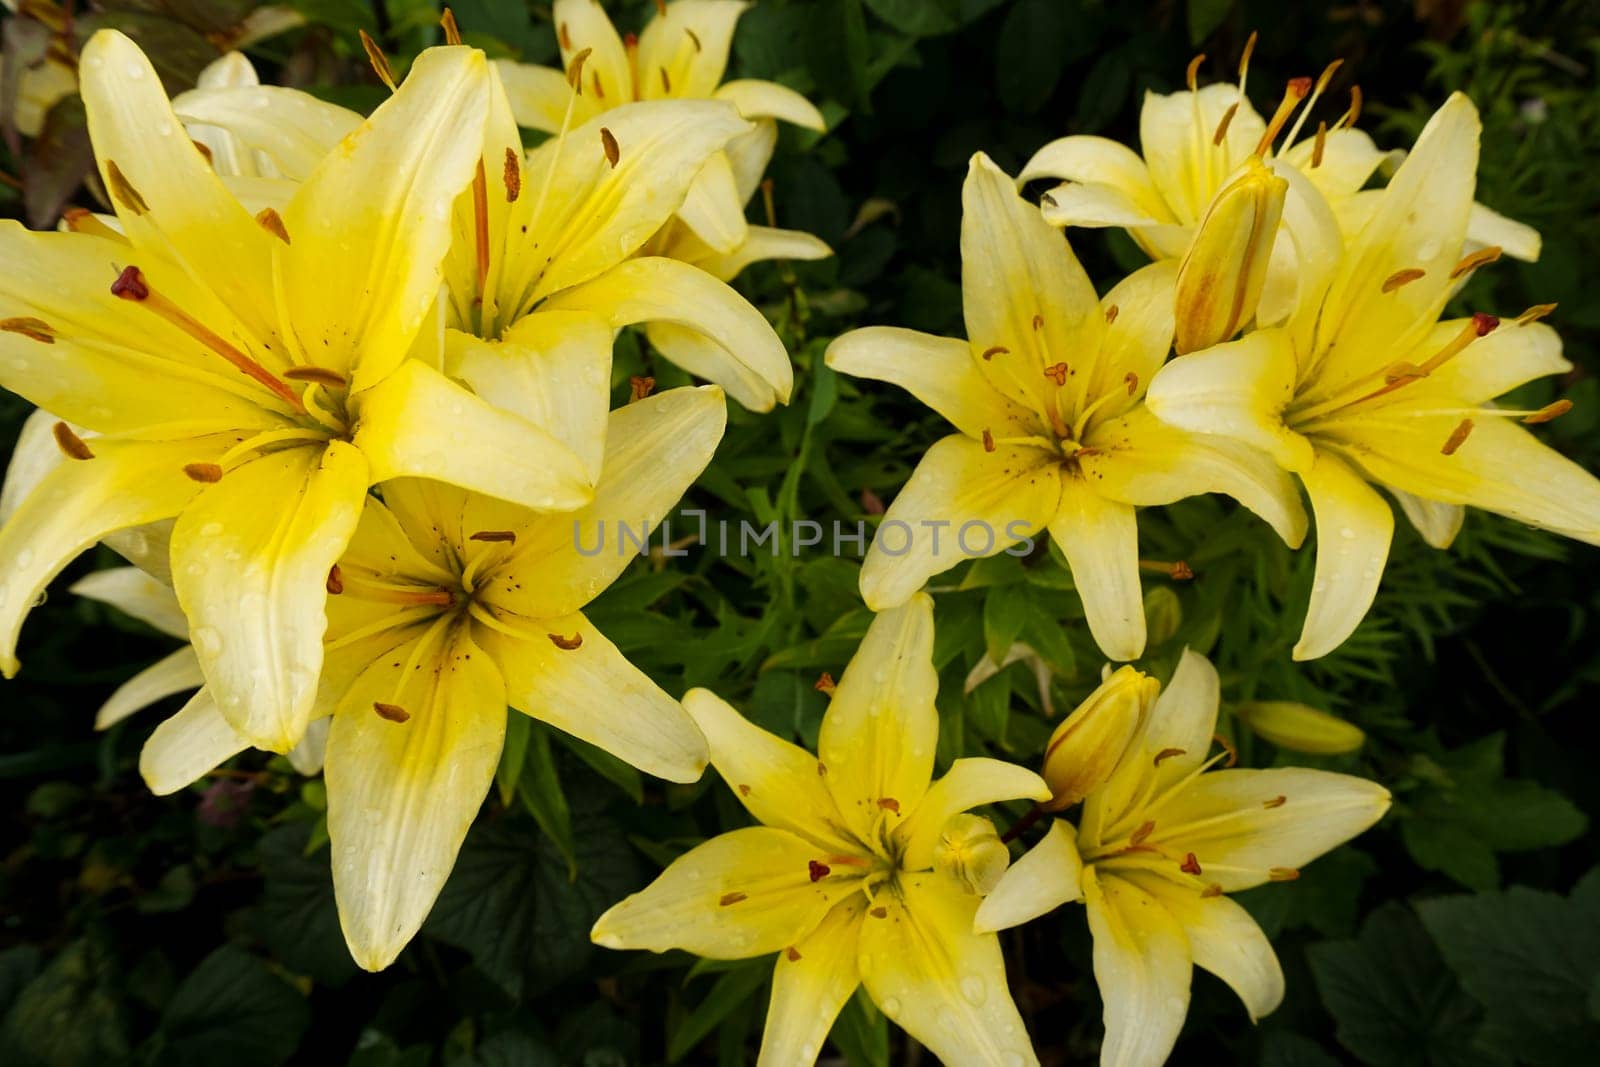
x: 311, y: 753
x: 1095, y: 205
x: 810, y: 985
x: 539, y: 95
x: 188, y: 746
x: 583, y: 24
x: 1175, y: 135
x: 1004, y: 495
x: 34, y: 455
x: 763, y: 99
x: 1139, y: 326
x: 1354, y: 528
x: 594, y: 693
x: 969, y: 783
x: 944, y: 984
x: 1101, y: 163
x: 713, y: 208
x: 740, y: 894
x: 252, y: 582
x: 683, y: 51
x: 136, y: 594
x: 176, y: 672
x: 1437, y: 523
x: 1514, y: 353
x: 762, y: 243
x: 1485, y: 227
x: 1143, y: 967
x: 292, y: 128
x: 1047, y: 876
x: 1100, y: 538
x: 401, y: 794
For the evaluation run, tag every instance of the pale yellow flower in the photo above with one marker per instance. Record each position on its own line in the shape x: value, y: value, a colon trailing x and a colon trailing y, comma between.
x: 1363, y: 386
x: 862, y: 872
x: 1157, y: 848
x: 1045, y: 394
x: 447, y: 607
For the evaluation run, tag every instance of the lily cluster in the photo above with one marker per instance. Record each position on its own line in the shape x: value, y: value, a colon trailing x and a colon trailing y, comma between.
x: 339, y: 387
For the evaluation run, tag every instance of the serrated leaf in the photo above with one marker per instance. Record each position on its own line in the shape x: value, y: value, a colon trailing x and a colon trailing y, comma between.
x: 232, y: 1009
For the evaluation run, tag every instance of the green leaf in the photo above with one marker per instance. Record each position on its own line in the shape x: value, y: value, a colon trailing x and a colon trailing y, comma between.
x: 1033, y: 49
x: 540, y: 790
x: 232, y: 1009
x: 732, y: 989
x: 297, y: 917
x: 513, y: 757
x: 1006, y: 610
x: 1205, y: 16
x: 861, y: 1032
x: 930, y: 18
x: 66, y: 1015
x: 620, y: 774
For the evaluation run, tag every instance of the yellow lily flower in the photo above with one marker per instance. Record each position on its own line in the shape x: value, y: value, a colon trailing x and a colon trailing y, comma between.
x: 248, y: 375
x: 1194, y: 143
x: 1364, y: 386
x: 1046, y: 395
x: 681, y: 55
x: 1157, y: 848
x: 861, y: 872
x: 447, y: 606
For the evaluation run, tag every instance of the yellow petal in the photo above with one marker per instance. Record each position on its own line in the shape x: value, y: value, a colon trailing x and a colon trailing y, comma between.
x: 1300, y: 727
x: 539, y: 95
x: 1485, y: 227
x: 1145, y: 462
x: 1513, y: 353
x: 713, y: 208
x: 1047, y: 876
x: 1021, y: 288
x: 250, y: 566
x: 690, y: 42
x: 593, y: 692
x: 655, y: 449
x: 942, y: 372
x: 1095, y: 205
x: 1143, y: 968
x: 1223, y: 939
x: 1138, y: 336
x: 1240, y: 831
x: 1304, y: 260
x: 174, y: 673
x: 1354, y: 528
x: 1111, y: 169
x: 1437, y: 523
x: 1237, y: 390
x: 762, y: 99
x: 368, y: 229
x: 748, y: 155
x: 228, y: 72
x: 810, y: 985
x: 126, y: 484
x: 961, y: 502
x: 939, y: 981
x: 740, y: 894
x: 761, y: 243
x: 881, y: 727
x: 416, y: 422
x: 1175, y: 134
x: 552, y: 368
x: 167, y: 197
x: 653, y: 289
x: 777, y: 781
x: 34, y: 455
x: 292, y: 128
x: 1100, y: 539
x: 1346, y: 161
x: 308, y: 756
x: 188, y: 746
x: 135, y: 593
x: 583, y: 24
x: 969, y: 783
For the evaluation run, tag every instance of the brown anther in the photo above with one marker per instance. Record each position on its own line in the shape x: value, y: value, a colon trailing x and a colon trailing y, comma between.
x: 666, y: 81
x: 1249, y: 50
x: 822, y: 769
x: 1192, y: 75
x: 1276, y: 802
x: 1535, y: 313
x: 1112, y: 311
x: 1167, y: 753
x: 575, y: 67
x: 1046, y: 198
x: 1212, y: 890
x: 996, y: 350
x: 71, y: 444
x: 498, y: 537
x: 209, y: 473
x: 1057, y: 373
x: 130, y: 285
x: 1228, y: 747
x: 1038, y: 322
x: 988, y: 440
x: 1145, y: 829
x: 792, y: 954
x: 694, y: 39
x: 122, y: 190
x: 1457, y: 438
x: 818, y: 871
x: 732, y: 898
x: 1320, y: 145
x: 379, y: 61
x: 391, y: 712
x: 272, y: 222
x: 1227, y: 120
x: 889, y: 804
x: 1484, y: 323
x: 321, y: 375
x: 661, y: 8
x: 31, y: 328
x: 744, y: 790
x: 480, y: 223
x: 512, y: 176
x: 825, y: 684
x: 1181, y: 571
x: 566, y: 644
x: 1472, y: 261
x: 564, y: 36
x: 1402, y: 277
x: 641, y: 385
x: 1327, y: 74
x: 1190, y: 865
x: 1131, y: 380
x: 608, y: 141
x: 1085, y: 453
x: 1282, y: 874
x: 204, y: 150
x: 335, y: 582
x: 598, y: 87
x: 880, y: 912
x: 1549, y: 411
x: 1354, y: 111
x: 452, y: 32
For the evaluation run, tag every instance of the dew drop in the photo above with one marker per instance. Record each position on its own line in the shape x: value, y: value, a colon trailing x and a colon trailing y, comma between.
x: 211, y: 529
x: 974, y: 989
x: 207, y: 642
x: 890, y: 1006
x: 24, y: 558
x: 135, y: 70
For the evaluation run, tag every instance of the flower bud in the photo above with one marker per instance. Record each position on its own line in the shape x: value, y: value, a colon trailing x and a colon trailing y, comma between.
x: 971, y: 852
x: 1299, y: 728
x: 1085, y: 749
x: 1220, y: 281
x: 1163, y: 614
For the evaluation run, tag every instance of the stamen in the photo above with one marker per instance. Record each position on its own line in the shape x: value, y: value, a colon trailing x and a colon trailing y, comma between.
x: 272, y: 222
x: 1131, y: 380
x: 630, y: 45
x: 792, y: 953
x: 1548, y: 412
x: 203, y: 150
x: 566, y: 644
x: 1167, y: 753
x: 766, y: 202
x: 1292, y: 95
x: 1457, y: 438
x: 321, y: 375
x: 1353, y: 112
x: 391, y: 712
x: 208, y: 473
x: 564, y: 36
x: 452, y: 32
x: 641, y: 386
x: 494, y: 536
x: 1145, y: 829
x: 1112, y: 311
x: 744, y: 790
x: 31, y: 328
x: 732, y: 898
x: 694, y: 39
x: 1319, y: 145
x: 1190, y: 865
x: 1481, y: 257
x: 82, y: 220
x: 880, y: 912
x: 988, y: 440
x: 661, y: 8
x: 997, y: 350
x: 1535, y: 313
x: 575, y: 68
x: 1057, y: 373
x: 1244, y: 59
x: 1402, y: 278
x: 818, y: 871
x: 822, y: 769
x: 1192, y: 76
x: 1212, y: 890
x: 666, y: 82
x: 1046, y: 198
x: 825, y: 684
x: 1227, y: 746
x: 889, y: 804
x: 597, y: 86
x: 1227, y: 120
x: 1038, y: 323
x: 131, y: 285
x: 1282, y: 874
x: 71, y: 444
x: 1276, y: 802
x: 335, y: 582
x: 123, y: 191
x: 512, y: 176
x: 608, y: 141
x: 1178, y: 570
x: 480, y: 221
x: 380, y: 62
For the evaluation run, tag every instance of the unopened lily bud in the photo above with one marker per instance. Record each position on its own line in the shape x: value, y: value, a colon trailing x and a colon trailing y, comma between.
x: 1300, y: 728
x: 1084, y: 749
x: 1220, y: 281
x: 971, y: 852
x: 1163, y: 614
